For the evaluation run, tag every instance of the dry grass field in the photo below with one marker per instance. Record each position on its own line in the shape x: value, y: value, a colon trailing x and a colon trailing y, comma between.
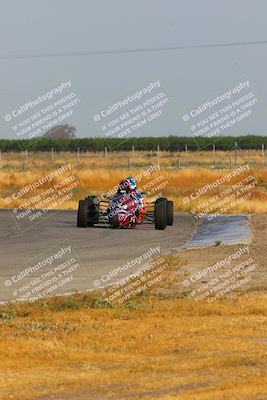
x: 180, y: 175
x: 153, y: 348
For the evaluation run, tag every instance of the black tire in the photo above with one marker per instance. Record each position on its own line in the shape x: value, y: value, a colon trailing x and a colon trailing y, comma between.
x: 93, y: 210
x: 169, y: 212
x: 88, y: 212
x: 160, y: 213
x: 82, y: 218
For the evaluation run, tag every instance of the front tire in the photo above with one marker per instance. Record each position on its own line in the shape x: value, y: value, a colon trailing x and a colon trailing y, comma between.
x: 160, y: 213
x: 169, y: 212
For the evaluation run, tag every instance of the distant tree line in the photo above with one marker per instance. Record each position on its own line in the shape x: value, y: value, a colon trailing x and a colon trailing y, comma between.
x: 170, y: 143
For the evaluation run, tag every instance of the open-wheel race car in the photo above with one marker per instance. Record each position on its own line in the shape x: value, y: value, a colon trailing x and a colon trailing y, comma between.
x: 123, y: 211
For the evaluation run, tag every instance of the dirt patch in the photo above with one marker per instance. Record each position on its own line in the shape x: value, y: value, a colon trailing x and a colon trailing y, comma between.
x: 214, y: 262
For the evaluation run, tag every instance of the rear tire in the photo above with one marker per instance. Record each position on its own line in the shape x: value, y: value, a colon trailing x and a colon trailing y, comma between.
x: 88, y: 212
x: 160, y: 213
x: 169, y: 212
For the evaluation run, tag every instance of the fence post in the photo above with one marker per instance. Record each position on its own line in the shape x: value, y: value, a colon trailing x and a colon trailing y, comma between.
x: 78, y: 156
x: 235, y: 153
x: 106, y: 151
x: 133, y: 150
x: 263, y: 154
x: 52, y: 154
x: 158, y: 151
x: 214, y: 156
x: 179, y: 164
x: 23, y: 159
x: 129, y: 163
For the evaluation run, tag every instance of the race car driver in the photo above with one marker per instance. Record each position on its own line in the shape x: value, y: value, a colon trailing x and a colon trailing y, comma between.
x: 129, y: 187
x: 137, y: 194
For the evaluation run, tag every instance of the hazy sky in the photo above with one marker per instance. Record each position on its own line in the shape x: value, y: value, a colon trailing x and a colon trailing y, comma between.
x: 189, y: 76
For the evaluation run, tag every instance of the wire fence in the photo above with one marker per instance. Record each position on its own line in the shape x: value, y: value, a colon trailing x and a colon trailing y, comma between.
x: 217, y: 159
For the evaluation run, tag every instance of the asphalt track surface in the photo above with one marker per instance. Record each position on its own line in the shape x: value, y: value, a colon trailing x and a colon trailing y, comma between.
x: 98, y: 250
x: 227, y: 229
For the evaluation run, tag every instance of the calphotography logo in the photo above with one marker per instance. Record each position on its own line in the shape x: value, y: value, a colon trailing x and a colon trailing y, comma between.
x: 217, y: 115
x: 44, y: 113
x: 38, y: 198
x: 225, y: 276
x: 224, y: 195
x: 133, y: 113
x: 51, y: 274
